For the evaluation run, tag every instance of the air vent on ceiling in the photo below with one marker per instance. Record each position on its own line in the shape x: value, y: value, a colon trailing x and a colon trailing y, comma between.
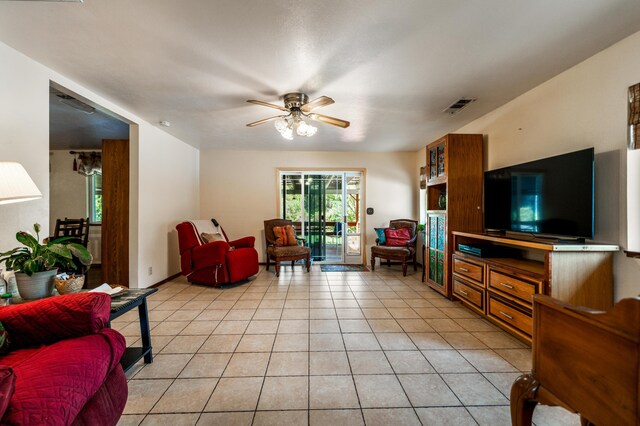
x: 459, y: 105
x: 76, y: 104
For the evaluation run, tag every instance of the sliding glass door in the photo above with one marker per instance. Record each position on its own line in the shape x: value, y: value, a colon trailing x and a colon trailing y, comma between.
x: 324, y: 207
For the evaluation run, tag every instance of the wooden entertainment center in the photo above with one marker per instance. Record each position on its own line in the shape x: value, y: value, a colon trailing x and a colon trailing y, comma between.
x: 501, y: 288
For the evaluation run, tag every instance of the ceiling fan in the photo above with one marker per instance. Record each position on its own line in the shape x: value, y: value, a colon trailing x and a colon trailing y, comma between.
x: 297, y: 107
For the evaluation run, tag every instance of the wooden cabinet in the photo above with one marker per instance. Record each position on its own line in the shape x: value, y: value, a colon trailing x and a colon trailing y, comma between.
x: 502, y: 288
x: 454, y: 199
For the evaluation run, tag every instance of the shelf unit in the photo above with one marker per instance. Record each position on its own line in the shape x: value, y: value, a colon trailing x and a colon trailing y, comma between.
x: 501, y: 288
x: 454, y: 175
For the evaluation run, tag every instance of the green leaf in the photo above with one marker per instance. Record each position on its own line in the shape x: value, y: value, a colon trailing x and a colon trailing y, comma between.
x: 61, y: 240
x: 29, y: 267
x: 60, y: 250
x: 27, y: 239
x: 81, y: 253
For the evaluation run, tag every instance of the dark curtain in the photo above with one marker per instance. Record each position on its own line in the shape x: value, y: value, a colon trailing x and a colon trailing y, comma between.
x: 315, y: 208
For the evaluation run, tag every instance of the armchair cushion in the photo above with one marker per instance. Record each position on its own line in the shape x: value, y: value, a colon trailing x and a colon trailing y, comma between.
x: 49, y: 320
x: 7, y: 386
x: 285, y: 235
x: 380, y: 234
x: 210, y: 238
x: 397, y: 237
x: 296, y: 250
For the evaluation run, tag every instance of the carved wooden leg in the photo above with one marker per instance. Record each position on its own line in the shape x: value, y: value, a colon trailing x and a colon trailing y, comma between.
x: 373, y: 263
x: 308, y: 262
x: 388, y: 263
x: 277, y: 268
x: 523, y: 400
x: 404, y: 267
x: 268, y: 262
x: 293, y: 263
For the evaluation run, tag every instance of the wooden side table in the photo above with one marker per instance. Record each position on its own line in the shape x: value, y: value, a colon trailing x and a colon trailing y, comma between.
x: 120, y: 305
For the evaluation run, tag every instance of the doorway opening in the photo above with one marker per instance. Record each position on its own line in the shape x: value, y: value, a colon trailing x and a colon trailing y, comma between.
x: 325, y: 207
x: 88, y: 178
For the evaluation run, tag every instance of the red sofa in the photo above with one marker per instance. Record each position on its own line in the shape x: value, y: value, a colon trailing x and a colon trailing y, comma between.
x: 63, y: 367
x: 218, y: 262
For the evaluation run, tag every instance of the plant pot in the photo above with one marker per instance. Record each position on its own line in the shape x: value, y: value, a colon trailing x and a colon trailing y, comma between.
x: 72, y: 285
x: 37, y: 286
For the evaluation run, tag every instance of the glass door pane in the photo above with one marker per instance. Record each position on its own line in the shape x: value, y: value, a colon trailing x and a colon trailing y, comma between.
x: 352, y: 218
x: 291, y: 196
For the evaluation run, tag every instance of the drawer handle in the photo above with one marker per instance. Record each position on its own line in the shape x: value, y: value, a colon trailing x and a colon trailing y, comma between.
x: 463, y: 269
x: 463, y: 292
x: 506, y: 315
x: 507, y: 286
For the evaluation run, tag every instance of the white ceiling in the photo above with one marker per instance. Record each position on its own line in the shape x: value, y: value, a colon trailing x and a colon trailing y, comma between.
x: 391, y: 66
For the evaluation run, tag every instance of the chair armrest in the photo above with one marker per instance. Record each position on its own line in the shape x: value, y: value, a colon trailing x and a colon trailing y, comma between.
x: 209, y: 254
x: 412, y: 242
x: 56, y: 318
x: 246, y: 242
x: 304, y: 240
x: 377, y: 241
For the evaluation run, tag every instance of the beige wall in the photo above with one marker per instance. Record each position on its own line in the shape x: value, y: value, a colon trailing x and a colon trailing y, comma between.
x: 68, y: 189
x: 585, y: 106
x: 24, y: 126
x: 239, y: 188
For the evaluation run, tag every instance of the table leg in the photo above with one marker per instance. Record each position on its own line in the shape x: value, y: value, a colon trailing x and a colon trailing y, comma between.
x: 145, y: 332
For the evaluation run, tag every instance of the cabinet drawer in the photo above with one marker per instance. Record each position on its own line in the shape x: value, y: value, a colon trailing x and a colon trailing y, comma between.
x: 468, y: 293
x: 505, y: 313
x: 513, y: 286
x: 467, y: 269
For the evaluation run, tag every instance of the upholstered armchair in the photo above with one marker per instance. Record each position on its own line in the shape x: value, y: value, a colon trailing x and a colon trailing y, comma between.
x: 217, y: 262
x: 401, y: 249
x: 282, y: 253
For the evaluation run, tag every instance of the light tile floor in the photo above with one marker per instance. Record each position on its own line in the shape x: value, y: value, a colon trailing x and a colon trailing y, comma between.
x: 322, y: 349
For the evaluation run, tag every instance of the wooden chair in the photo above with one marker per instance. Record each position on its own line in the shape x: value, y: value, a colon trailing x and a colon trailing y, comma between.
x: 399, y: 253
x: 284, y: 253
x: 78, y: 228
x: 584, y: 360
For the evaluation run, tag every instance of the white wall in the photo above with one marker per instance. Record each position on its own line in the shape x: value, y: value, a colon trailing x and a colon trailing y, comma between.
x: 169, y: 189
x: 585, y: 106
x: 24, y: 130
x: 239, y: 188
x: 68, y: 189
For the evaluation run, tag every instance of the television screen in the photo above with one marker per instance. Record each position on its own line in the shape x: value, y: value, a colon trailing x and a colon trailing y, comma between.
x: 553, y: 196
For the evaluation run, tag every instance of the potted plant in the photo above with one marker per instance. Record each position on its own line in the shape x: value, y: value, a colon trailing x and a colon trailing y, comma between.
x: 36, y: 264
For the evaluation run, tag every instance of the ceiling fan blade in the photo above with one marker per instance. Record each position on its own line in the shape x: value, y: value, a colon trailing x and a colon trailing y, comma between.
x: 266, y: 120
x: 267, y: 104
x: 329, y: 120
x: 317, y: 103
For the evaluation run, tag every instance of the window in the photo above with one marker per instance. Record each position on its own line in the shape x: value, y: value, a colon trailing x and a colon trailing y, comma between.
x: 95, y: 198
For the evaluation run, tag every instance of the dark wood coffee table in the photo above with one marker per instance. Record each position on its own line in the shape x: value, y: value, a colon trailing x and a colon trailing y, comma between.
x: 122, y: 304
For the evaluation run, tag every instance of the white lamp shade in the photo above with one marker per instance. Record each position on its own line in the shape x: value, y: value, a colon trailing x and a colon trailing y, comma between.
x: 16, y: 184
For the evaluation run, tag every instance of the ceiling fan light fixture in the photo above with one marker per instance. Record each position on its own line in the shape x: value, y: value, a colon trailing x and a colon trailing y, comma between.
x: 305, y: 129
x: 298, y: 107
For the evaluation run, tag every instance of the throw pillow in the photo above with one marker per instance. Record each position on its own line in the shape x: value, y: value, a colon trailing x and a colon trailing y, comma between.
x: 397, y: 237
x: 381, y: 237
x: 4, y: 340
x: 285, y: 235
x: 7, y: 386
x: 210, y: 238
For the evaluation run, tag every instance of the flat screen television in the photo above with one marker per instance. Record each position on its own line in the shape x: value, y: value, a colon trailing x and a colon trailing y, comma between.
x: 553, y: 196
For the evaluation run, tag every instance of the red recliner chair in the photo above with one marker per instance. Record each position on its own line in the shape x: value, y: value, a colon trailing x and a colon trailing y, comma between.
x: 215, y: 263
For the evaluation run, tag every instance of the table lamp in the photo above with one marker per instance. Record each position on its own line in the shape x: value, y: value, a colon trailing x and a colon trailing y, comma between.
x: 15, y: 184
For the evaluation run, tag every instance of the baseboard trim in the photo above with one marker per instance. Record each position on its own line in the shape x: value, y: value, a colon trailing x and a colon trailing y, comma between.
x: 166, y: 280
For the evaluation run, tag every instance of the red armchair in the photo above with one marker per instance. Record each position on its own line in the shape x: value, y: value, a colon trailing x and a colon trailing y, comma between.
x: 215, y: 263
x: 63, y: 367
